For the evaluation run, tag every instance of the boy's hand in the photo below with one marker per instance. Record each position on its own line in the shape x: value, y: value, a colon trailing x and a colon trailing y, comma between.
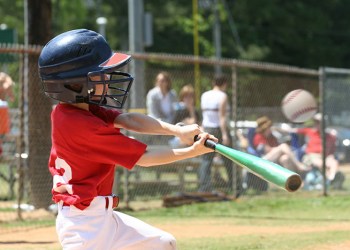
x: 187, y: 134
x: 199, y: 144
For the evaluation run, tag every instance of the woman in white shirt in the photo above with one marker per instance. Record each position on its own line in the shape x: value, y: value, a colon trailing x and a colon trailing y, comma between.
x: 214, y: 111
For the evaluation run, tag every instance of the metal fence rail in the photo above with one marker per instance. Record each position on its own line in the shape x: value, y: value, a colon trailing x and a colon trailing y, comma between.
x: 256, y: 89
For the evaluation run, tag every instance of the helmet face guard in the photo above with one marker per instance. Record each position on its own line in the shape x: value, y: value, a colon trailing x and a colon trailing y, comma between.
x: 115, y: 88
x: 75, y: 63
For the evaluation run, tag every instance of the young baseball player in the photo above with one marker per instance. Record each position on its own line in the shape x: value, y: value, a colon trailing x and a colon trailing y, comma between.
x: 78, y: 69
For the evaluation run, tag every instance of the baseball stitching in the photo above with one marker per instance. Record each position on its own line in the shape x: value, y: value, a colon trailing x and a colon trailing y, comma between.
x: 292, y: 96
x: 301, y: 112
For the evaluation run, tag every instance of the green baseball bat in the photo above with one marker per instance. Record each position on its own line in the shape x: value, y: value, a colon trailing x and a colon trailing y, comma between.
x: 267, y: 170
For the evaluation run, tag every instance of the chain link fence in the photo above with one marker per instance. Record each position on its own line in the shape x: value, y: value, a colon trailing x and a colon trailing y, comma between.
x: 255, y: 89
x: 335, y: 94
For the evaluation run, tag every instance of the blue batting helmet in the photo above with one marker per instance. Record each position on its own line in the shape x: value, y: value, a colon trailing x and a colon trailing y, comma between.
x: 69, y: 62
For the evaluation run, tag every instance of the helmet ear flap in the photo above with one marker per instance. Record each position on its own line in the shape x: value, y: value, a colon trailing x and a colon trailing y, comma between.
x: 76, y: 87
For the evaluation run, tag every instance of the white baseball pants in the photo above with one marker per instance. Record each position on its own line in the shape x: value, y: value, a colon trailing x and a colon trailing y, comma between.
x: 98, y: 227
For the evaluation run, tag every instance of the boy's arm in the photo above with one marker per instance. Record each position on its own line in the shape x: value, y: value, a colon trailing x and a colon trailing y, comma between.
x: 167, y: 155
x: 147, y: 125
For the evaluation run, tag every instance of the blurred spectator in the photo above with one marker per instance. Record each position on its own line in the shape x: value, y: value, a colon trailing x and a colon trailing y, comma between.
x: 6, y: 94
x: 185, y: 109
x: 161, y: 99
x: 313, y: 151
x: 185, y: 112
x: 6, y: 88
x: 269, y: 148
x: 214, y: 105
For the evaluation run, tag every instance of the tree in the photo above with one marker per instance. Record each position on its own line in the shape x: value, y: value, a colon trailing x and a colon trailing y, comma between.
x: 301, y: 33
x: 39, y: 129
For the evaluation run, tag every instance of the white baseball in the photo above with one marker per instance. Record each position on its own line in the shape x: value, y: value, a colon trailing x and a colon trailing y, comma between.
x: 299, y: 106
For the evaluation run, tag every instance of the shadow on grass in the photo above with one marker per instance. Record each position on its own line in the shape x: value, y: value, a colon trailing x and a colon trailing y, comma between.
x: 14, y: 242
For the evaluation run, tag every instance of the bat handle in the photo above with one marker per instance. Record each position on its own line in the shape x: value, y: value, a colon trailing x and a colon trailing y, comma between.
x: 208, y: 143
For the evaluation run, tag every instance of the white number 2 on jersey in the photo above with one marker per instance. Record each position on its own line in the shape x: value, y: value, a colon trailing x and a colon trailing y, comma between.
x: 60, y: 182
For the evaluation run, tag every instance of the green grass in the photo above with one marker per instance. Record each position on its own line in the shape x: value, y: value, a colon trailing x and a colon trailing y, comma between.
x: 300, y: 210
x: 5, y: 193
x: 301, y: 205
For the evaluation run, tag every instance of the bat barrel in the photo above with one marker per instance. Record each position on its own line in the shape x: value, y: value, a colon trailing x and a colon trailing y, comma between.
x: 269, y: 171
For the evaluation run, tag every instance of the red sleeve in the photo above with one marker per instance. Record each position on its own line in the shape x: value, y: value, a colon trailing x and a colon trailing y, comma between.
x: 107, y: 145
x: 95, y: 139
x: 114, y: 147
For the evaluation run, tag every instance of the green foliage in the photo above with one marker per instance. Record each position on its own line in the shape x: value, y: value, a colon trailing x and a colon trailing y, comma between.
x: 301, y: 33
x: 69, y: 14
x: 296, y: 32
x: 12, y: 16
x: 254, y: 52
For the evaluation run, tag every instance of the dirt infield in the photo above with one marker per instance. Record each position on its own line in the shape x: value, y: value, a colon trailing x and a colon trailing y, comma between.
x: 45, y: 238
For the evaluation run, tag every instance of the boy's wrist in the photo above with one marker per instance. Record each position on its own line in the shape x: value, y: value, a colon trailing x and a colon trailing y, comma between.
x: 177, y: 129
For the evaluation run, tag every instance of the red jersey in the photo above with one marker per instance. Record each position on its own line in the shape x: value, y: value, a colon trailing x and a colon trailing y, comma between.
x: 260, y: 139
x: 86, y: 147
x: 314, y: 141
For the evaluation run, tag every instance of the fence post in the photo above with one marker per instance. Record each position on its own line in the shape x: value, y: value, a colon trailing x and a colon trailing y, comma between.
x: 322, y: 78
x: 236, y: 169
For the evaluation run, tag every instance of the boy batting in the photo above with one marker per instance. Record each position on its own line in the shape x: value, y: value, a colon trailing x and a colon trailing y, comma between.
x: 79, y: 69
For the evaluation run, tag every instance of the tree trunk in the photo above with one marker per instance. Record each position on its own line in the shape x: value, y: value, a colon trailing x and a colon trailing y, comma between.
x: 39, y: 108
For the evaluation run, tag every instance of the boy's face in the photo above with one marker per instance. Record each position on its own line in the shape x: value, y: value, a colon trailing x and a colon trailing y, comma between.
x: 109, y: 89
x: 100, y: 89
